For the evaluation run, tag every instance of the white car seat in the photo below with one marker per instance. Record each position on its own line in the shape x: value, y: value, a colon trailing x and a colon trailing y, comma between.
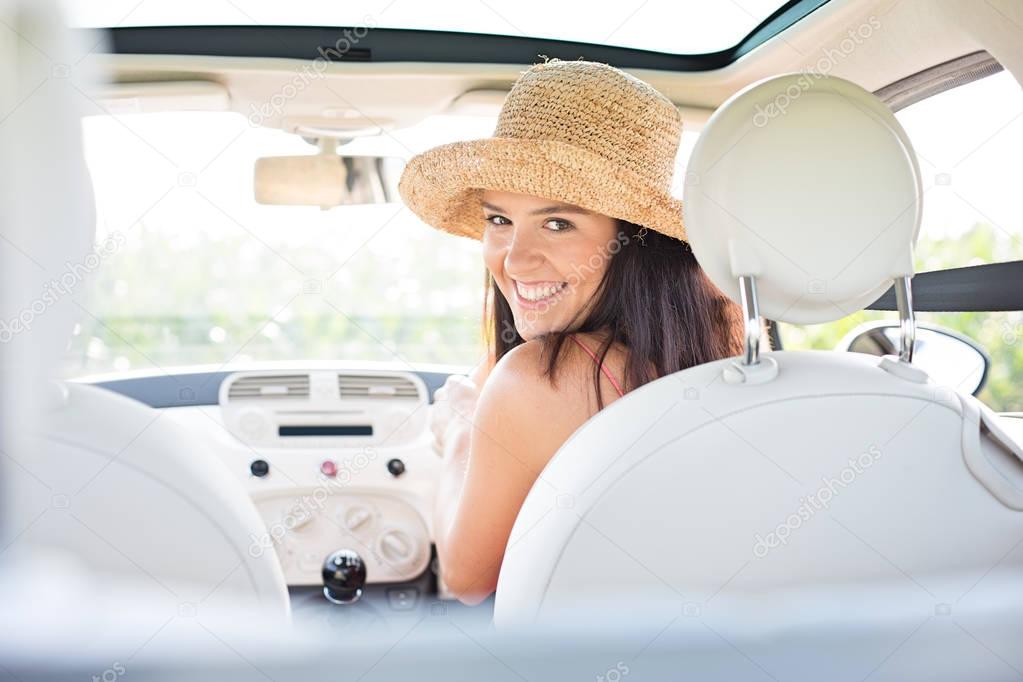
x: 106, y: 483
x: 748, y: 478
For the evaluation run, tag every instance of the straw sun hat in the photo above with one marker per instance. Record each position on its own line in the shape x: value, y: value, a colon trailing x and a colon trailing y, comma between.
x: 577, y: 132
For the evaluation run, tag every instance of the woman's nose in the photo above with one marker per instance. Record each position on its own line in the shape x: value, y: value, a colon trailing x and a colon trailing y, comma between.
x: 523, y: 253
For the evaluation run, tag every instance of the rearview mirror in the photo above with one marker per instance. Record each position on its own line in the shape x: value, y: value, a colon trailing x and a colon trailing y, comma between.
x: 327, y: 180
x: 950, y: 358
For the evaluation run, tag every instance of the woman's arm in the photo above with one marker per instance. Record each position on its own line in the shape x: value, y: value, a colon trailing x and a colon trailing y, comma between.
x: 457, y: 400
x: 442, y: 412
x: 491, y: 460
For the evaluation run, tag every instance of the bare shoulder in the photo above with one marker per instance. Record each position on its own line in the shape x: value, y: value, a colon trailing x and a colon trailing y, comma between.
x: 518, y: 382
x: 523, y: 371
x: 521, y: 409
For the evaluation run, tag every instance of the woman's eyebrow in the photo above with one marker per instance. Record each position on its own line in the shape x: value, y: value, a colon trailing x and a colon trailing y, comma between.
x: 545, y: 210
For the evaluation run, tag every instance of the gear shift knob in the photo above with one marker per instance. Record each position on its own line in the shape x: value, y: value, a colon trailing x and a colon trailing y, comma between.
x: 344, y: 574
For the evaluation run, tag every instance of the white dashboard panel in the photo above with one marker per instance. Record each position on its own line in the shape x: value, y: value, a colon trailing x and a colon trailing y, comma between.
x: 305, y: 526
x: 360, y: 503
x: 324, y: 408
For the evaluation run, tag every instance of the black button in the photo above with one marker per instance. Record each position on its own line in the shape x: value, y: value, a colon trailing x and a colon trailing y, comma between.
x: 259, y: 467
x: 396, y: 467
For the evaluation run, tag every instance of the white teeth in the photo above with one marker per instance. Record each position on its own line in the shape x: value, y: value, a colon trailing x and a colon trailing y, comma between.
x: 538, y: 293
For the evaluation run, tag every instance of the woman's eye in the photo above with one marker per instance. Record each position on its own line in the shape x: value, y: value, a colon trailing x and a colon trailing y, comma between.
x: 498, y: 220
x: 558, y: 225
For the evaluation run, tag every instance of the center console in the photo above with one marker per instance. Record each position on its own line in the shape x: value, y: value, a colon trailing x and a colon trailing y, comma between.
x: 335, y: 460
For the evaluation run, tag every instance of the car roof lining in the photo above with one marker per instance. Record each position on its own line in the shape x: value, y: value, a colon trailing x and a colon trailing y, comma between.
x: 916, y: 37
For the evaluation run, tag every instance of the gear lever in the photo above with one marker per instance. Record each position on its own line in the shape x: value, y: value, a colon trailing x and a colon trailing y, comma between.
x: 344, y: 574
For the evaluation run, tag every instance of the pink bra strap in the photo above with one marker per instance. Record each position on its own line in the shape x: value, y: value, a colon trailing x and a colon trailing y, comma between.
x: 603, y: 369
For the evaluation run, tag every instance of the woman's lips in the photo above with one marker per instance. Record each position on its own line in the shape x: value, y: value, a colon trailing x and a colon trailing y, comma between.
x: 533, y: 295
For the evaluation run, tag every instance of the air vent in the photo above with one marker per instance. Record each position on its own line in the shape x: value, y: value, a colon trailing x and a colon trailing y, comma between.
x: 376, y: 386
x: 269, y: 387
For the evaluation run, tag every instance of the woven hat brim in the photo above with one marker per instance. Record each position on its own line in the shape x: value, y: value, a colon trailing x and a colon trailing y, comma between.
x: 442, y: 185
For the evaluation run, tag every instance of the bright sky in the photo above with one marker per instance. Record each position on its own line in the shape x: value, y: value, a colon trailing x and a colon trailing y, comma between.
x: 969, y: 142
x: 681, y: 26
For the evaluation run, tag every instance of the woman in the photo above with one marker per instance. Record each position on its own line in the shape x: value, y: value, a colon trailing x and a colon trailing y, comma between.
x: 592, y: 290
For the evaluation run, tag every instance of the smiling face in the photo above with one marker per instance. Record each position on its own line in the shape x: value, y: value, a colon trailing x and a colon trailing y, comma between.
x: 546, y: 257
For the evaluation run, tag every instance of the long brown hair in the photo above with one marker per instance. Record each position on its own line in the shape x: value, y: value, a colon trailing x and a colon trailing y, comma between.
x: 654, y: 299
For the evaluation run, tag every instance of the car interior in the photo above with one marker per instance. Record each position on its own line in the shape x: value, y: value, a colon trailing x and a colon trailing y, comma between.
x: 222, y: 334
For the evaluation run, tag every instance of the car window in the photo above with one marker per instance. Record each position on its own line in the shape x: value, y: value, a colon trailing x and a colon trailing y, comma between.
x: 194, y: 271
x: 969, y: 142
x: 646, y: 25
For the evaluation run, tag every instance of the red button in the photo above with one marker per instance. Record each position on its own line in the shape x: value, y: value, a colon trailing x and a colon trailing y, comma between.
x: 328, y: 468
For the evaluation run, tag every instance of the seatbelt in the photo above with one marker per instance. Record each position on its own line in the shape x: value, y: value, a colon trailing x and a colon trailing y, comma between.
x: 977, y: 288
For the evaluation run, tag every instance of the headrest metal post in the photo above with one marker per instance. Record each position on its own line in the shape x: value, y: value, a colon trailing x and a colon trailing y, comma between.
x: 751, y: 310
x: 907, y: 323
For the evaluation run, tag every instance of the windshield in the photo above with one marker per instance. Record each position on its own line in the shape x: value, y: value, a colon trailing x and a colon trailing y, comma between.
x: 675, y: 26
x: 196, y: 272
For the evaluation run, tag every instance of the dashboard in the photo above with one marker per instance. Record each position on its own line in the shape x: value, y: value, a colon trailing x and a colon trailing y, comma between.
x: 332, y: 458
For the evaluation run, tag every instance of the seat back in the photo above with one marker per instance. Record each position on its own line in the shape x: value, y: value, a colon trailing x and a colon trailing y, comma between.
x: 115, y: 489
x: 731, y: 483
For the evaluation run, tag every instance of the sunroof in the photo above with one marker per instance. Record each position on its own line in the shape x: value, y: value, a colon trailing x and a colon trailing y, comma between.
x: 671, y: 26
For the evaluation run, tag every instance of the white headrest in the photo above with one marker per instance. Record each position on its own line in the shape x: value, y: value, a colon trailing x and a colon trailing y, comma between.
x: 809, y: 184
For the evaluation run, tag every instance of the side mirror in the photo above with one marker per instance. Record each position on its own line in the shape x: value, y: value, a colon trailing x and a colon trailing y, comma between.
x: 950, y: 358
